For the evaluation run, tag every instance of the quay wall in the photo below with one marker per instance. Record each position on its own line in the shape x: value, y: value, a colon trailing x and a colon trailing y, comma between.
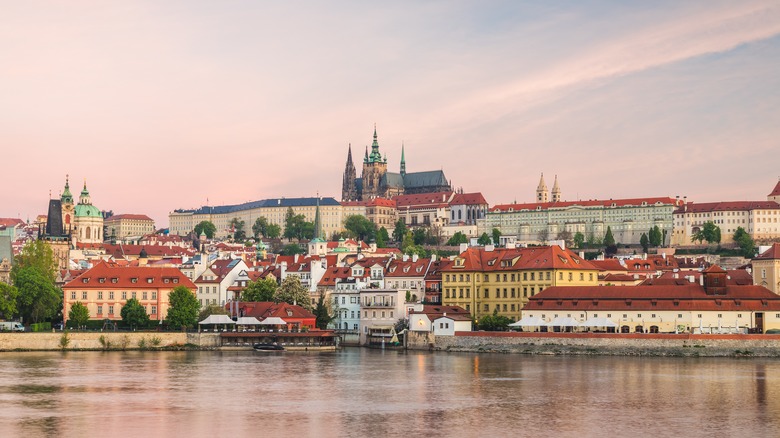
x: 106, y: 341
x: 600, y: 344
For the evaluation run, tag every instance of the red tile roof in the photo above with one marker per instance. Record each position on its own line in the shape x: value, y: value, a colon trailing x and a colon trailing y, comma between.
x: 773, y: 253
x: 456, y: 313
x: 400, y: 268
x: 608, y: 265
x: 734, y: 277
x: 706, y: 207
x: 138, y: 217
x: 468, y: 199
x: 266, y: 309
x: 110, y: 276
x: 120, y: 251
x: 503, y: 259
x: 634, y: 202
x: 10, y: 222
x: 334, y: 273
x: 776, y: 191
x: 422, y: 200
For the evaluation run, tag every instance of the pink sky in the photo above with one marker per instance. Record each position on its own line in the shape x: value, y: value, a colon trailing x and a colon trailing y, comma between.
x: 163, y: 105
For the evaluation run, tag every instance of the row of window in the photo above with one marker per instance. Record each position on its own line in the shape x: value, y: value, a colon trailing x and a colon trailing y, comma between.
x: 527, y: 276
x: 373, y: 314
x: 150, y: 310
x: 100, y: 295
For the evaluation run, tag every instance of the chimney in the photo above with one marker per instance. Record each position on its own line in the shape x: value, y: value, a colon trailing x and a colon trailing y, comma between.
x: 463, y: 247
x: 509, y: 245
x: 701, y: 279
x: 405, y: 257
x: 489, y: 248
x: 433, y: 257
x: 691, y: 279
x: 414, y: 257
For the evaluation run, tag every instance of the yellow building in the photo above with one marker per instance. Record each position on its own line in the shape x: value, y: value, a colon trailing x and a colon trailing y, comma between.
x: 487, y: 280
x: 126, y: 225
x: 766, y: 269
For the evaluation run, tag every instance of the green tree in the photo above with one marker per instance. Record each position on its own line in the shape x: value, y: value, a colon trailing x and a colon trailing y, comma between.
x: 484, y: 239
x: 183, y: 310
x: 296, y: 227
x: 496, y: 236
x: 746, y: 244
x: 259, y: 290
x: 237, y: 225
x: 415, y: 249
x: 292, y: 292
x: 360, y: 227
x: 36, y: 254
x: 655, y: 236
x: 610, y: 246
x: 407, y: 241
x: 273, y: 231
x: 211, y: 309
x: 644, y: 241
x: 134, y: 314
x: 399, y: 232
x: 292, y: 249
x: 494, y: 322
x: 382, y: 237
x: 8, y: 298
x: 709, y: 232
x: 323, y: 313
x: 78, y: 314
x: 207, y: 228
x: 457, y: 239
x: 38, y: 299
x: 579, y: 239
x: 260, y: 227
x: 418, y: 235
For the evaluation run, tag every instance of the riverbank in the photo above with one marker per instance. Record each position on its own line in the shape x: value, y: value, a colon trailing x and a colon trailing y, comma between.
x: 108, y: 341
x: 604, y: 344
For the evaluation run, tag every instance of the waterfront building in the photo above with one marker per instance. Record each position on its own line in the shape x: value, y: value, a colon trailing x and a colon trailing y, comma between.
x: 714, y: 304
x: 376, y: 182
x: 381, y: 309
x: 121, y: 226
x: 183, y: 221
x: 433, y: 280
x: 214, y: 281
x: 760, y: 219
x: 440, y: 320
x: 408, y: 274
x: 106, y: 287
x: 484, y: 280
x: 766, y: 268
x: 541, y: 221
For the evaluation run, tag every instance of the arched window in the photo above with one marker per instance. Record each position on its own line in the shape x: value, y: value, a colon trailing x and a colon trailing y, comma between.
x: 88, y: 233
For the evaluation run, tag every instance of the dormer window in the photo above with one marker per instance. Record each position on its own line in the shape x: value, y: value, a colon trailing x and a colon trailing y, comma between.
x: 85, y: 280
x: 149, y: 280
x: 114, y: 280
x: 101, y: 280
x: 166, y: 281
x: 175, y: 280
x: 134, y: 280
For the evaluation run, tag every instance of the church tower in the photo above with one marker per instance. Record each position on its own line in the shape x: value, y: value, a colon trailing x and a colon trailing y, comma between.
x: 374, y: 170
x: 403, y: 162
x: 348, y: 186
x: 67, y: 207
x: 556, y: 191
x: 541, y: 191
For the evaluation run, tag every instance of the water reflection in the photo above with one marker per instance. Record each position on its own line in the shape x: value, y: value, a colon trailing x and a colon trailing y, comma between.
x: 384, y: 393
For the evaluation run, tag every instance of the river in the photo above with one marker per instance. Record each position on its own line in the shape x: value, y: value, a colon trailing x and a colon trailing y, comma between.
x: 360, y: 392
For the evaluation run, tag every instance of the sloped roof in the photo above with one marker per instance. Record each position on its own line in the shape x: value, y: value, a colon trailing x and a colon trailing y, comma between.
x: 114, y: 276
x: 391, y: 179
x: 608, y: 265
x: 706, y: 207
x: 773, y: 253
x: 423, y: 200
x: 138, y: 217
x: 400, y: 268
x: 267, y: 203
x: 425, y: 179
x: 468, y: 199
x: 776, y: 191
x: 512, y: 259
x: 632, y: 202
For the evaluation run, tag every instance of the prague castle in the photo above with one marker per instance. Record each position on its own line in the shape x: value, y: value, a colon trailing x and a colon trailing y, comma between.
x: 377, y: 182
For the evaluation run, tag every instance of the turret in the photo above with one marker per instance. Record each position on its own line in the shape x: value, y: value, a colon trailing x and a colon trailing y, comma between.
x: 556, y: 191
x: 541, y: 191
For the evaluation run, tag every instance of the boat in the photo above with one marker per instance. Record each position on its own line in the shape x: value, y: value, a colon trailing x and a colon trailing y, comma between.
x: 267, y: 347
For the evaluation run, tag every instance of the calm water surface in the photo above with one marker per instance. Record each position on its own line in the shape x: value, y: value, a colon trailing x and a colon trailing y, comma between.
x: 356, y: 393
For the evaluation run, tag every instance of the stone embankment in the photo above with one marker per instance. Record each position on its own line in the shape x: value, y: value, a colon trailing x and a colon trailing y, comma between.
x: 106, y: 341
x: 601, y: 344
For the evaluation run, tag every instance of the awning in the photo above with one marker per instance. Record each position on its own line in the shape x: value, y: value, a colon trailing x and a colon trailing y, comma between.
x: 563, y: 322
x: 247, y: 320
x: 217, y: 319
x: 273, y: 320
x: 598, y: 322
x: 529, y: 321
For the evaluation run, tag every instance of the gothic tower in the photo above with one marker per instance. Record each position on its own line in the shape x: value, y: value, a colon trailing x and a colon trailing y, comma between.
x: 403, y: 161
x: 348, y: 186
x: 541, y: 191
x: 67, y: 206
x: 374, y: 169
x: 556, y: 191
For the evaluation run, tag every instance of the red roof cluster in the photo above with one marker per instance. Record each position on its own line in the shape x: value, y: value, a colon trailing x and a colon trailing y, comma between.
x: 138, y: 217
x: 634, y: 202
x: 111, y: 276
x: 510, y: 259
x: 773, y: 253
x: 706, y: 207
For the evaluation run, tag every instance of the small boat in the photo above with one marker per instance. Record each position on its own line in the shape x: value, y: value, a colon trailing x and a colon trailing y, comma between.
x: 268, y: 347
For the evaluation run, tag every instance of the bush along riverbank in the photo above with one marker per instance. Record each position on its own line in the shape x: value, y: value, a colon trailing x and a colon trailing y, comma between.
x: 107, y: 341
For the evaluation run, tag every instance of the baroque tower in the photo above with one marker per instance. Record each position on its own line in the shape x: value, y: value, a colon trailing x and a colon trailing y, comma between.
x: 348, y: 185
x: 374, y: 169
x: 541, y: 191
x: 556, y: 191
x: 67, y: 207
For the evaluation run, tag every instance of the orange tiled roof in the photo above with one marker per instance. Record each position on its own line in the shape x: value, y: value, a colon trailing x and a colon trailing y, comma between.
x: 635, y: 202
x: 109, y: 276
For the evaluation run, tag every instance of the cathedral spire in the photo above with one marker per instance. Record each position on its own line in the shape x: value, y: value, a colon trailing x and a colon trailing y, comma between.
x: 556, y: 191
x: 541, y: 191
x: 375, y: 156
x: 66, y: 197
x: 403, y: 161
x: 348, y: 185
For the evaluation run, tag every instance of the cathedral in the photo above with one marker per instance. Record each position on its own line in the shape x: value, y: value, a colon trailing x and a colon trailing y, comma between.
x: 76, y: 223
x: 377, y: 182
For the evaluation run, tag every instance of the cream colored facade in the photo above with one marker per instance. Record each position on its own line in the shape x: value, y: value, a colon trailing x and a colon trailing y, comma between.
x: 761, y: 219
x: 127, y: 225
x: 766, y: 269
x: 538, y: 222
x: 182, y: 222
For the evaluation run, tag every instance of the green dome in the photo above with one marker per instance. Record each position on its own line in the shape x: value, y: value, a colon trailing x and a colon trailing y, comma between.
x: 87, y: 210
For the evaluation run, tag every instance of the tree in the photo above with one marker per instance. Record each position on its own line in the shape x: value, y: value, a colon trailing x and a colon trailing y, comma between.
x: 416, y: 249
x: 237, y: 225
x: 38, y: 255
x: 273, y: 231
x: 407, y: 242
x: 644, y: 241
x: 207, y: 228
x: 292, y: 292
x: 38, y: 299
x: 709, y: 232
x: 418, y: 236
x: 323, y: 313
x: 360, y: 227
x: 610, y: 246
x: 134, y: 314
x: 745, y: 242
x: 292, y: 249
x: 484, y: 239
x: 212, y: 309
x: 183, y: 310
x: 8, y: 298
x: 496, y: 235
x: 543, y: 235
x: 78, y: 314
x: 457, y: 239
x: 579, y: 239
x: 494, y: 322
x: 259, y: 290
x: 399, y: 232
x: 655, y: 237
x: 296, y: 227
x: 564, y: 235
x: 260, y: 228
x: 382, y: 237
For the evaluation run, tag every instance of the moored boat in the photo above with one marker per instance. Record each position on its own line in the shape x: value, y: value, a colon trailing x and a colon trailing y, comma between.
x: 267, y: 347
